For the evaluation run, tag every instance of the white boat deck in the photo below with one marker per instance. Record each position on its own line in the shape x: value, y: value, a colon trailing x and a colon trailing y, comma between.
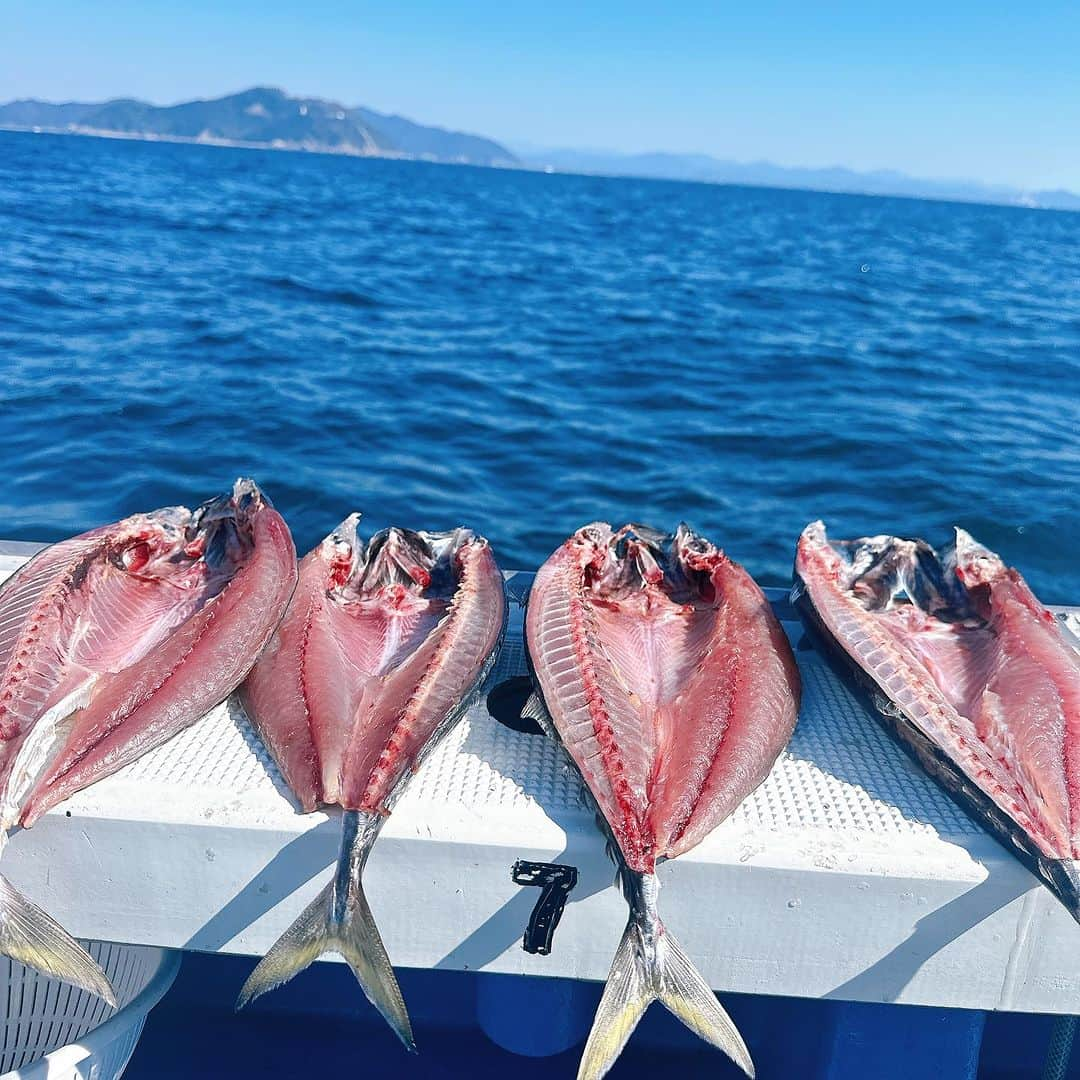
x: 848, y: 874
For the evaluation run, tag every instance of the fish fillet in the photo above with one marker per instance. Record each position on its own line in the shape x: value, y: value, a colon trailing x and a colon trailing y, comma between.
x: 115, y: 640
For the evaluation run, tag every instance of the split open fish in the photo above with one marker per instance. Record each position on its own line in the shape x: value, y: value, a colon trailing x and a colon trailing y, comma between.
x: 978, y: 681
x: 673, y: 688
x: 380, y: 653
x: 112, y: 642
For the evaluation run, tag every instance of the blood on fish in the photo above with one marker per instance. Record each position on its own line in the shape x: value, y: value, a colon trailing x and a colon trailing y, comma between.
x: 381, y: 649
x: 673, y: 689
x: 639, y: 694
x: 985, y: 673
x: 110, y: 643
x: 138, y: 555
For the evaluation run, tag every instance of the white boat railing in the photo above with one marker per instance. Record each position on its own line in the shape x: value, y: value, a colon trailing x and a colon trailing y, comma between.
x: 848, y: 874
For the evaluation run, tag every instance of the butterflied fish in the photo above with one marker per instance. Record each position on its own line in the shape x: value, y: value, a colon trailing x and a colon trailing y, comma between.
x: 379, y: 654
x: 973, y: 675
x: 671, y: 685
x: 110, y: 643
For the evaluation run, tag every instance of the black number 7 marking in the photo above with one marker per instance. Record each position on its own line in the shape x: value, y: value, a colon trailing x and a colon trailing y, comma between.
x: 555, y: 882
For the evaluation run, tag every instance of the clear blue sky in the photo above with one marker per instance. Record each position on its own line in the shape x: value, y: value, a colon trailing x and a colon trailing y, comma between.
x: 983, y: 90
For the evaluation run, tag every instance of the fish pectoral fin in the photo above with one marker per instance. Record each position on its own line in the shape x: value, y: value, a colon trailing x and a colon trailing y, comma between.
x: 354, y: 936
x: 33, y: 938
x: 534, y: 709
x: 686, y: 995
x: 40, y: 749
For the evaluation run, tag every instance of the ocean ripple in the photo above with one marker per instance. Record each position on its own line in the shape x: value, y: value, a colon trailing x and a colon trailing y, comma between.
x: 524, y: 353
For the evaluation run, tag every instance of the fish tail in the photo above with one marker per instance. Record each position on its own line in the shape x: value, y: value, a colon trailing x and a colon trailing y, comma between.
x: 339, y: 920
x: 687, y: 995
x: 32, y: 937
x: 649, y: 966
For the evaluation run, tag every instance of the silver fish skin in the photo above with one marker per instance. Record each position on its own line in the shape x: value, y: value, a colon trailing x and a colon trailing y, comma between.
x: 974, y: 677
x: 650, y: 965
x: 339, y: 920
x: 381, y: 652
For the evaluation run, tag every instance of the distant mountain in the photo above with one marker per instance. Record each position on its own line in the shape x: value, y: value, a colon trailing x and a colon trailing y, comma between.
x: 43, y: 114
x: 267, y: 117
x: 263, y: 117
x: 702, y: 167
x: 434, y: 143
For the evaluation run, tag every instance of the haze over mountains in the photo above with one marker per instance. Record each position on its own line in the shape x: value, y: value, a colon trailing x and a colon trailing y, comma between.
x: 269, y: 118
x: 707, y: 169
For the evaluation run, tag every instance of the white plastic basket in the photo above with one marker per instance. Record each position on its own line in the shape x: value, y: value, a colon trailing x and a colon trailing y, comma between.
x: 53, y: 1031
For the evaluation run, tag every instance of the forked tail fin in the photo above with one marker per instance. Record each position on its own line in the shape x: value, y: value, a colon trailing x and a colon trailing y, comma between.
x: 339, y: 920
x: 649, y: 966
x: 32, y: 937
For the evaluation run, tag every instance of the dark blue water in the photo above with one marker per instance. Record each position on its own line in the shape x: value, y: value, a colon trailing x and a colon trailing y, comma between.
x: 525, y: 353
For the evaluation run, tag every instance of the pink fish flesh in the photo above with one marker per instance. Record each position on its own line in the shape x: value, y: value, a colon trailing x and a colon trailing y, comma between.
x: 115, y: 640
x: 378, y: 655
x: 673, y: 688
x: 149, y: 623
x: 668, y: 677
x: 974, y: 675
x: 380, y: 644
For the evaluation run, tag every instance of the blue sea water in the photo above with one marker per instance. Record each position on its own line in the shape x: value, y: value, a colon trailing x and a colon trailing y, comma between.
x: 523, y: 353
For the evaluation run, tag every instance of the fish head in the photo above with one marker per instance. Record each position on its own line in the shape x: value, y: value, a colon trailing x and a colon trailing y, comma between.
x: 189, y: 549
x: 397, y: 556
x: 976, y: 569
x: 220, y: 532
x: 974, y: 564
x: 884, y: 572
x: 396, y: 560
x: 888, y: 570
x: 171, y: 545
x: 638, y: 559
x: 623, y: 562
x: 152, y: 545
x: 344, y: 553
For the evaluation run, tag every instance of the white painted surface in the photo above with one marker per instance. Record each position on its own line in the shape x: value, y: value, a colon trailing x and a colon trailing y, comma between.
x: 848, y: 874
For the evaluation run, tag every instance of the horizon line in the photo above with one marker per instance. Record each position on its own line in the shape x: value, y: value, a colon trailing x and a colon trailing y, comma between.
x: 542, y: 170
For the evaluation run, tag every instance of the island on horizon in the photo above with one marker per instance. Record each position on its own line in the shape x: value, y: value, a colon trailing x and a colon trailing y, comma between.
x: 264, y: 118
x: 270, y: 119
